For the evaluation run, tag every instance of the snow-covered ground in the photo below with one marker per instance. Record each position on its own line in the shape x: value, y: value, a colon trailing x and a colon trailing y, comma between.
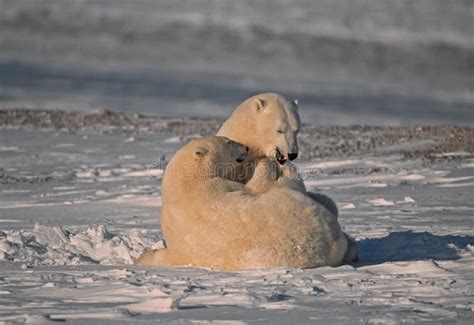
x: 80, y: 199
x: 80, y: 191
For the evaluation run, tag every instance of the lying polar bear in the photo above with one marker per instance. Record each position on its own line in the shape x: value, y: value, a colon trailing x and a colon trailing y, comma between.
x: 211, y: 221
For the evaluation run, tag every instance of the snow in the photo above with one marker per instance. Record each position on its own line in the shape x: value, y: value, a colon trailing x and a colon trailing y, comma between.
x: 67, y: 246
x: 381, y: 202
x: 45, y: 245
x: 347, y: 206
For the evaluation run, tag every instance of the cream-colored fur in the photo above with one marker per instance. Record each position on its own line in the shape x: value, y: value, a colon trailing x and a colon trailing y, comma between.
x: 268, y: 124
x: 268, y: 174
x: 258, y: 122
x: 210, y: 221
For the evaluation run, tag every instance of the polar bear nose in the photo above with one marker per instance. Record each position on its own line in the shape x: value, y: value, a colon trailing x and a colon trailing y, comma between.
x: 292, y: 156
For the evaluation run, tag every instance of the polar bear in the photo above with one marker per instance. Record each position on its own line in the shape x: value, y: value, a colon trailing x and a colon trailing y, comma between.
x: 211, y: 221
x: 268, y: 174
x: 269, y: 124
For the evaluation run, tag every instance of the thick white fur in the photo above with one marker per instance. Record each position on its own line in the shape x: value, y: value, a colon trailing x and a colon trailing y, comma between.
x: 255, y: 123
x: 210, y: 221
x: 267, y: 124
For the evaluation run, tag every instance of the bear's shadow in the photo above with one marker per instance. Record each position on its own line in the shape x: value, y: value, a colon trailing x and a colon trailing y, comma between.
x: 411, y: 246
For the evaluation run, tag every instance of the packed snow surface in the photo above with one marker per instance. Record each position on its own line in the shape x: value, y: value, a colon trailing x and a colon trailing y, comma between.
x: 78, y: 205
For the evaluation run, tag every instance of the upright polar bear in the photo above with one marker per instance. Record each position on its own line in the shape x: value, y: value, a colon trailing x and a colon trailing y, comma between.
x: 210, y: 221
x: 269, y: 124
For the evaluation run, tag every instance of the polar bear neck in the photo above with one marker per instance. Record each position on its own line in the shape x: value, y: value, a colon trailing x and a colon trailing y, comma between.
x: 232, y: 129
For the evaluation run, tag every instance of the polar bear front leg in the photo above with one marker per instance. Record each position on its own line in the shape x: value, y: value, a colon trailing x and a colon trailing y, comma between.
x: 290, y: 178
x: 269, y: 174
x: 265, y: 176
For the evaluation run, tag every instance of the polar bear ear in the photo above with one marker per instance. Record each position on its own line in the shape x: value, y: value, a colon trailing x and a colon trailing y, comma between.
x: 200, y: 152
x: 261, y: 104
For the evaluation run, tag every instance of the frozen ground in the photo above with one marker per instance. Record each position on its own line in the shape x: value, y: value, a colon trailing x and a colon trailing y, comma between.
x: 80, y: 199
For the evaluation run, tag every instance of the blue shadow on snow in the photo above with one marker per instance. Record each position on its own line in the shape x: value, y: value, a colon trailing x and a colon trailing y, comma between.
x: 411, y: 246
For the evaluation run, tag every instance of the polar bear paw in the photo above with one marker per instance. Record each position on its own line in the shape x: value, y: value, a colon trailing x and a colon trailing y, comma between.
x: 265, y: 176
x: 290, y: 178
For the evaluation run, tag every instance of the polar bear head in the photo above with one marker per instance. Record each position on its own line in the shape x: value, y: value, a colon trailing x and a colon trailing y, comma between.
x: 207, y: 157
x: 268, y: 124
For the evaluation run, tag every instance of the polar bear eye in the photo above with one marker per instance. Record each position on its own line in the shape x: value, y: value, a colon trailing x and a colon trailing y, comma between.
x: 280, y: 131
